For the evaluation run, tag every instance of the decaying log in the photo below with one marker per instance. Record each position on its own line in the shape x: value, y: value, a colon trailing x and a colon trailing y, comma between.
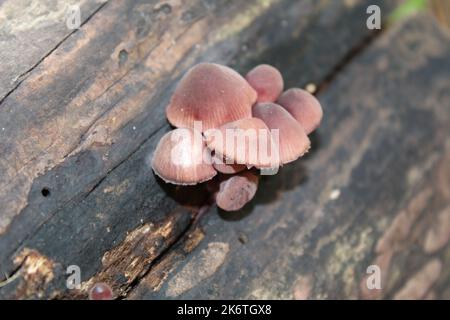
x: 29, y: 32
x: 80, y: 119
x: 375, y: 190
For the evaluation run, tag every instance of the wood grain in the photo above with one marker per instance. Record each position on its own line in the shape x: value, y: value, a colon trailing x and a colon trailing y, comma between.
x: 78, y: 131
x: 374, y: 190
x: 30, y: 31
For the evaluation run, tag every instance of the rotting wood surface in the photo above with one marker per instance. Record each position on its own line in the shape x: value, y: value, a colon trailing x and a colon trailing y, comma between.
x: 83, y: 121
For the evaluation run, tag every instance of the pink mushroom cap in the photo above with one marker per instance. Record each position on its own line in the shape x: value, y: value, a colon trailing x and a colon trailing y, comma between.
x: 210, y: 93
x: 221, y: 166
x: 303, y: 106
x: 241, y: 142
x: 293, y: 141
x: 267, y: 81
x: 181, y: 157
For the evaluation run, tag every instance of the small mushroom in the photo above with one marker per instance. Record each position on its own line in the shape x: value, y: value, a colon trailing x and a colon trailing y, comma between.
x: 242, y: 142
x: 181, y: 157
x: 237, y: 190
x: 303, y: 106
x: 221, y: 166
x: 101, y: 291
x: 292, y: 140
x: 210, y: 93
x: 267, y: 81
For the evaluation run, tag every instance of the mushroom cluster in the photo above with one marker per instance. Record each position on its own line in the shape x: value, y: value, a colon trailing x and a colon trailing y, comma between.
x: 228, y: 129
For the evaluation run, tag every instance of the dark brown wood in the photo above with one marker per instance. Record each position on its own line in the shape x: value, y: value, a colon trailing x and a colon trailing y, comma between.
x: 374, y: 190
x: 30, y: 31
x: 76, y: 186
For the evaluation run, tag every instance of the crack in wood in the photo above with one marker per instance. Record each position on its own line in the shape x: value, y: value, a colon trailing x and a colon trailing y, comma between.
x: 23, y: 75
x: 152, y: 266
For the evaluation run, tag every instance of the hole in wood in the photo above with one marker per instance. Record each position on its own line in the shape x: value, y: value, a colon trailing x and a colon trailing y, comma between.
x: 45, y: 192
x: 123, y: 57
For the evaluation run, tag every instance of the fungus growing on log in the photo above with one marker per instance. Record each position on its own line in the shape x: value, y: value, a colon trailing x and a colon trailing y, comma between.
x: 303, y: 106
x: 237, y: 190
x: 182, y: 158
x: 100, y: 291
x: 240, y: 127
x: 242, y: 142
x: 293, y: 141
x: 221, y: 165
x: 212, y: 94
x: 267, y: 81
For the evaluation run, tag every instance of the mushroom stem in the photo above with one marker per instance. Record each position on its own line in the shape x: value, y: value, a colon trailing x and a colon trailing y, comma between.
x: 237, y: 190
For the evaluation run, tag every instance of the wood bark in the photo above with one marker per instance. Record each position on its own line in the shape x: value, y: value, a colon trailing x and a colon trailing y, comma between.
x: 80, y: 119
